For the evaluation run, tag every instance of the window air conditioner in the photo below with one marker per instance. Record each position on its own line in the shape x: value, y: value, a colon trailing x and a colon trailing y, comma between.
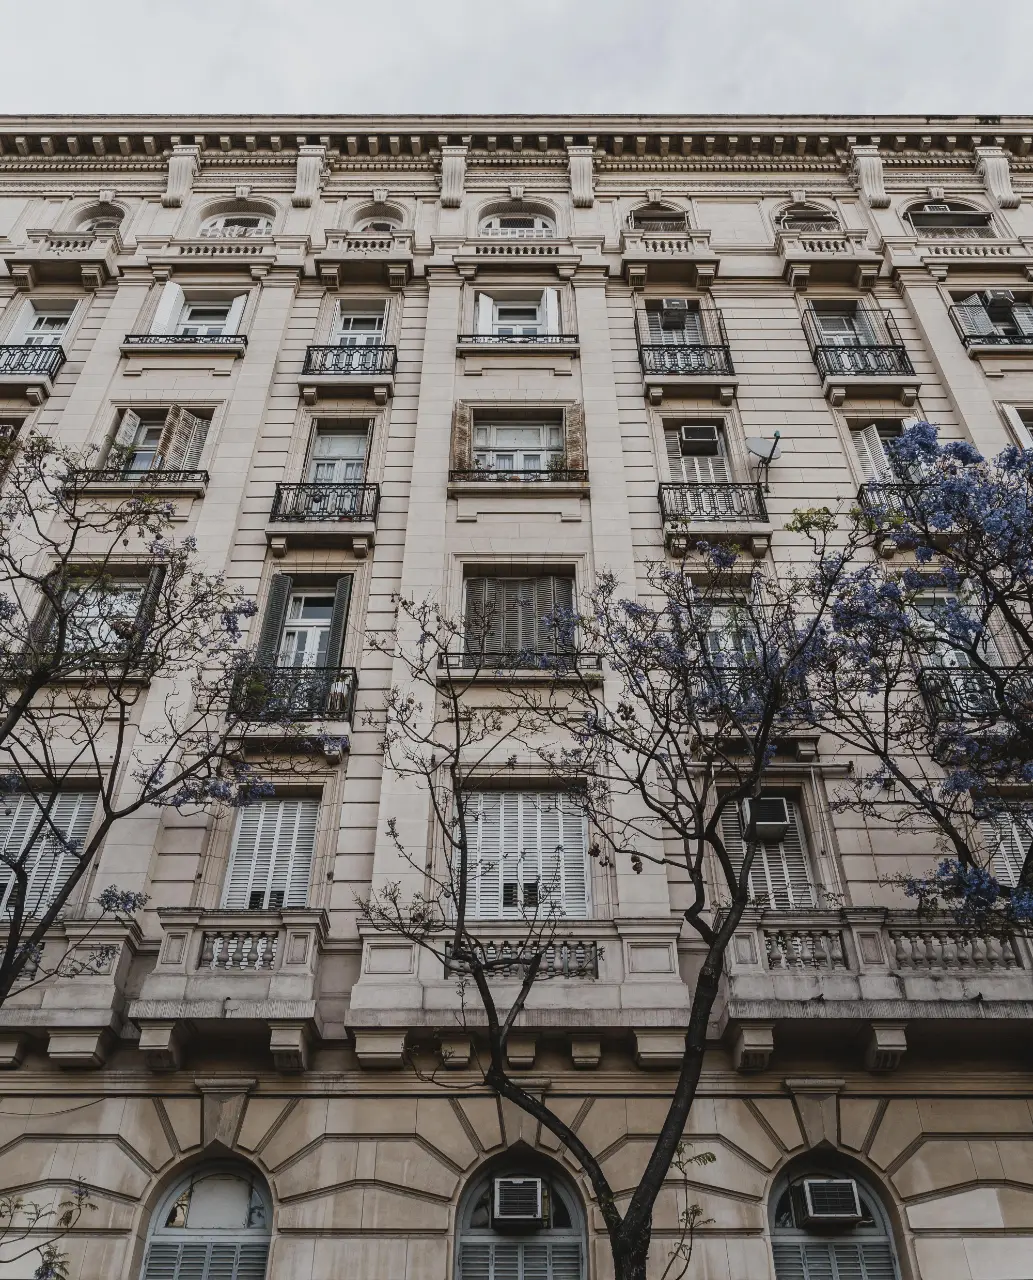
x: 702, y: 441
x: 828, y: 1202
x: 998, y: 298
x: 518, y: 1201
x: 673, y: 313
x: 766, y: 818
x: 936, y: 208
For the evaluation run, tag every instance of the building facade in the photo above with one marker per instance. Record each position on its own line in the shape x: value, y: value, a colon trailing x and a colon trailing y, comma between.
x: 441, y: 357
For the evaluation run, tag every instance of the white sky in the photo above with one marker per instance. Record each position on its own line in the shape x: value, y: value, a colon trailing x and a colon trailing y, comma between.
x: 530, y: 56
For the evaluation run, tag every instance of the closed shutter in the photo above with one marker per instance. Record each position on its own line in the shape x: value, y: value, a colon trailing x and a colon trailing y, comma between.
x: 235, y: 314
x: 779, y: 874
x: 182, y: 439
x: 553, y: 606
x: 272, y: 622
x: 536, y: 1259
x: 170, y: 308
x: 485, y: 604
x: 271, y: 862
x: 47, y: 864
x: 200, y: 1260
x: 1007, y: 840
x: 697, y: 468
x: 526, y: 847
x: 828, y: 1260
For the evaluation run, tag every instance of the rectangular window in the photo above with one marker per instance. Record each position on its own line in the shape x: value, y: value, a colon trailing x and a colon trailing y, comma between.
x: 518, y: 316
x: 49, y: 861
x: 271, y: 859
x: 102, y: 619
x: 172, y: 442
x: 518, y: 618
x: 306, y: 631
x: 358, y: 329
x: 338, y: 455
x: 675, y: 329
x: 518, y: 446
x: 203, y: 320
x: 845, y: 326
x: 995, y: 314
x: 780, y: 875
x: 46, y: 328
x: 1021, y: 423
x: 731, y: 634
x: 528, y: 856
x: 304, y: 626
x: 697, y: 454
x: 870, y: 447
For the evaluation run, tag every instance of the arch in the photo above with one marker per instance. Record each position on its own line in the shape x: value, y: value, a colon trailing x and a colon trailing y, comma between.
x: 517, y: 219
x: 950, y: 219
x: 659, y: 217
x: 806, y: 217
x: 379, y: 216
x: 554, y: 1249
x: 100, y: 216
x: 237, y: 219
x: 861, y: 1247
x: 215, y: 1218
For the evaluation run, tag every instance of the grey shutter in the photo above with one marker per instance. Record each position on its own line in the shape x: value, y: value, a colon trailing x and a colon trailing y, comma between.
x: 339, y: 620
x: 205, y: 1260
x: 272, y: 622
x: 149, y: 605
x: 1008, y: 840
x: 462, y: 437
x: 170, y: 306
x: 552, y: 594
x: 551, y: 310
x: 271, y: 861
x: 974, y: 318
x: 574, y: 441
x: 871, y: 455
x: 485, y: 610
x: 779, y: 872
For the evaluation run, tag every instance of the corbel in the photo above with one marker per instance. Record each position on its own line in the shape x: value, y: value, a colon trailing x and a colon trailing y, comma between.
x: 581, y: 176
x: 994, y: 169
x: 453, y: 176
x: 312, y: 172
x: 867, y: 176
x: 184, y: 164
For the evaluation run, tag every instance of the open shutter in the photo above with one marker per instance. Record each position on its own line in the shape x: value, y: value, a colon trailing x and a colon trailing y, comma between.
x: 575, y: 445
x: 551, y: 310
x: 462, y: 437
x: 149, y: 603
x: 22, y: 326
x: 1022, y: 316
x: 512, y: 845
x: 127, y: 430
x: 871, y: 455
x: 1007, y: 841
x: 235, y: 314
x: 485, y: 313
x: 339, y: 620
x: 182, y: 439
x: 1023, y: 435
x: 272, y: 622
x: 973, y: 317
x: 792, y: 858
x: 170, y: 308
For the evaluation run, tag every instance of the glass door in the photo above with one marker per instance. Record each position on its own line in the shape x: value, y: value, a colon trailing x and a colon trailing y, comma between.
x: 306, y: 631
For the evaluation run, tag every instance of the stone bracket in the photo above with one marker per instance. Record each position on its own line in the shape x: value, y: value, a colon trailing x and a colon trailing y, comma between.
x: 659, y: 1049
x: 994, y: 168
x: 312, y: 172
x: 380, y: 1049
x: 754, y: 1046
x: 868, y: 176
x: 184, y: 164
x: 887, y: 1044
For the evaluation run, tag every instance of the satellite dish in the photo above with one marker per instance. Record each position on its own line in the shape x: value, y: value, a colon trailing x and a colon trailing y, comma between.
x: 766, y: 450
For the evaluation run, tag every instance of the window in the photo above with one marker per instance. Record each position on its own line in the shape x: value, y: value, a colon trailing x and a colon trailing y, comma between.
x: 945, y: 220
x: 203, y: 320
x: 518, y: 226
x: 232, y: 226
x: 806, y: 219
x: 657, y: 219
x: 554, y: 1250
x: 213, y: 1225
x: 46, y: 327
x: 675, y: 326
x: 338, y: 455
x: 1007, y: 838
x: 304, y: 626
x: 103, y: 618
x: 528, y: 856
x: 844, y: 326
x: 526, y: 315
x: 812, y: 1245
x: 103, y: 218
x: 378, y: 224
x: 873, y: 458
x: 731, y: 634
x: 518, y: 620
x: 143, y: 444
x: 49, y: 860
x: 197, y: 318
x: 780, y: 876
x: 271, y: 861
x: 697, y: 453
x: 995, y: 316
x: 358, y: 329
x: 518, y: 446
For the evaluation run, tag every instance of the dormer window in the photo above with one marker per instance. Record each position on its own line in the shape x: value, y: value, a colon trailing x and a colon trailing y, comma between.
x: 233, y: 226
x: 518, y: 226
x: 945, y: 220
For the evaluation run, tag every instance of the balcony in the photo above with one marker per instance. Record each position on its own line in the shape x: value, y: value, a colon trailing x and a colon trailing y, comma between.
x: 827, y: 255
x: 232, y: 344
x: 986, y: 335
x: 121, y: 481
x: 362, y: 257
x: 667, y: 251
x: 29, y: 371
x: 295, y: 694
x: 89, y: 258
x: 864, y: 974
x: 252, y: 972
x: 731, y: 513
x: 315, y: 514
x: 872, y: 361
x: 700, y: 362
x: 336, y: 371
x: 255, y: 254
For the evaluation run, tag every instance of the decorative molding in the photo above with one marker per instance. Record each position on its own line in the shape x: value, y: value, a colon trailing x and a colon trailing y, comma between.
x: 580, y: 161
x: 993, y: 167
x: 184, y: 165
x: 312, y: 172
x: 867, y: 176
x: 453, y: 176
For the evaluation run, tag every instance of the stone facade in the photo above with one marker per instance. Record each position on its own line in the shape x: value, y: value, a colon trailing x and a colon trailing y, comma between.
x: 896, y: 1053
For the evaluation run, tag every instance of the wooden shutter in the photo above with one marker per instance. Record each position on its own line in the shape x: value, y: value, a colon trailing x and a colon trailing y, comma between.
x: 871, y: 455
x: 235, y: 313
x: 182, y: 439
x: 46, y: 863
x: 551, y: 310
x: 779, y: 873
x: 485, y: 615
x: 150, y: 597
x: 170, y: 308
x: 275, y: 616
x: 127, y: 429
x: 552, y: 594
x: 575, y: 450
x: 485, y: 313
x: 339, y: 620
x: 1007, y: 839
x: 462, y: 437
x: 271, y: 862
x: 206, y: 1260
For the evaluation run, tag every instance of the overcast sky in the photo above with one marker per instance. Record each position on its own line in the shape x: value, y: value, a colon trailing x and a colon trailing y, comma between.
x: 379, y: 56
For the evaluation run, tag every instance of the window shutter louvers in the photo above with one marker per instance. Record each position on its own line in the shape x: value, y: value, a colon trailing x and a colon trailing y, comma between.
x: 204, y: 1260
x: 485, y: 317
x: 520, y: 1260
x: 276, y: 606
x: 170, y: 307
x: 182, y: 439
x: 1008, y: 840
x: 875, y: 465
x: 551, y: 310
x: 779, y: 872
x: 552, y: 595
x: 150, y: 597
x: 235, y: 313
x: 462, y: 437
x: 827, y: 1260
x: 273, y: 849
x: 339, y: 620
x: 575, y: 444
x: 126, y: 432
x: 1022, y: 316
x: 47, y: 865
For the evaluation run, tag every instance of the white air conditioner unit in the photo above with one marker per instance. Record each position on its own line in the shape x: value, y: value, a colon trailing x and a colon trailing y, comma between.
x: 828, y: 1201
x: 702, y: 441
x: 936, y: 208
x: 673, y: 313
x: 998, y: 298
x: 766, y: 818
x: 518, y: 1201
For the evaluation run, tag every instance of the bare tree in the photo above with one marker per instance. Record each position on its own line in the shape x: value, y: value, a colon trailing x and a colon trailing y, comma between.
x: 30, y: 1229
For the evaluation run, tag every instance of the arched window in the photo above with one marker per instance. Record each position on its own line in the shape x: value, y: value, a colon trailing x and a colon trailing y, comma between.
x: 657, y: 219
x: 518, y: 1222
x: 102, y: 217
x: 378, y: 224
x: 948, y: 220
x: 232, y: 226
x: 806, y: 219
x: 216, y: 1222
x: 827, y: 1226
x: 519, y: 225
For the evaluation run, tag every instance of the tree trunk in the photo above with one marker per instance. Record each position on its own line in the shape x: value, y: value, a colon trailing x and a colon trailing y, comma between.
x: 630, y: 1256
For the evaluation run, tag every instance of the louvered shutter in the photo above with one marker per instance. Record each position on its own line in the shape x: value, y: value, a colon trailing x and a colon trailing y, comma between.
x: 170, y: 308
x: 551, y: 310
x: 182, y: 439
x: 235, y: 314
x: 484, y: 827
x: 871, y: 455
x: 485, y: 316
x: 485, y: 610
x: 697, y: 468
x: 205, y: 1260
x: 276, y: 606
x: 535, y: 1259
x: 834, y: 1260
x: 553, y: 595
x: 518, y: 614
x: 974, y: 318
x: 47, y: 864
x: 125, y: 435
x: 1007, y: 840
x: 271, y: 861
x: 339, y: 620
x: 475, y: 1261
x: 779, y: 873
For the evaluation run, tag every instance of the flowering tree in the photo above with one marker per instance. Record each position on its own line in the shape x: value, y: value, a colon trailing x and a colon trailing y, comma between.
x: 121, y: 668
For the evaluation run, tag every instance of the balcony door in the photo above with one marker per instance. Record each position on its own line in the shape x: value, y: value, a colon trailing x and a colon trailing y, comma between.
x: 306, y: 632
x: 846, y: 328
x: 46, y: 329
x: 304, y: 626
x: 515, y: 447
x: 689, y: 333
x: 780, y: 874
x: 338, y: 457
x: 359, y: 329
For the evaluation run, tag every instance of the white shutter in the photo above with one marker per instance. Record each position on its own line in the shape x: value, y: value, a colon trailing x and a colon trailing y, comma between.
x: 779, y: 872
x: 182, y: 439
x: 1007, y: 839
x: 697, y: 468
x: 47, y: 864
x: 273, y: 850
x: 235, y: 313
x: 125, y: 435
x: 871, y: 455
x: 485, y: 313
x: 1022, y: 315
x: 19, y: 331
x: 551, y: 310
x: 1022, y: 434
x: 170, y: 308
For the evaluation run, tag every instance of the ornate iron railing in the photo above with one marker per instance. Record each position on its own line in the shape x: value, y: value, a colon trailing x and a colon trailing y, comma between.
x: 315, y: 501
x: 880, y: 500
x: 350, y: 360
x: 685, y: 361
x: 498, y: 475
x: 712, y: 502
x: 560, y: 660
x: 263, y: 693
x: 876, y: 349
x: 156, y: 477
x: 36, y: 361
x: 185, y: 340
x: 518, y: 339
x: 567, y: 959
x: 976, y: 329
x: 960, y: 693
x: 659, y: 226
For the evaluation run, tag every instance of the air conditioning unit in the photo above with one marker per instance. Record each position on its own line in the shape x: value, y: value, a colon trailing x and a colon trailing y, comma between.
x: 518, y: 1202
x: 702, y: 441
x: 827, y: 1202
x: 936, y: 208
x: 766, y: 818
x: 673, y: 313
x: 998, y: 298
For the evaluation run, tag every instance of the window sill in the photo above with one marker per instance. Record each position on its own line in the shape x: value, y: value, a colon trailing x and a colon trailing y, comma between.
x: 838, y: 387
x: 232, y: 347
x: 156, y: 486
x: 521, y: 676
x: 522, y: 488
x: 564, y: 345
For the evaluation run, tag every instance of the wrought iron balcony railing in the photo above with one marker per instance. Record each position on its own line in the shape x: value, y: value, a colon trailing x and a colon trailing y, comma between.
x: 658, y: 226
x: 156, y: 476
x: 500, y: 475
x: 350, y: 360
x: 185, y: 340
x: 874, y: 350
x: 712, y: 502
x: 519, y: 339
x: 976, y: 329
x: 688, y: 361
x: 559, y: 660
x: 36, y: 361
x: 880, y: 500
x: 314, y: 501
x: 960, y: 693
x: 265, y: 693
